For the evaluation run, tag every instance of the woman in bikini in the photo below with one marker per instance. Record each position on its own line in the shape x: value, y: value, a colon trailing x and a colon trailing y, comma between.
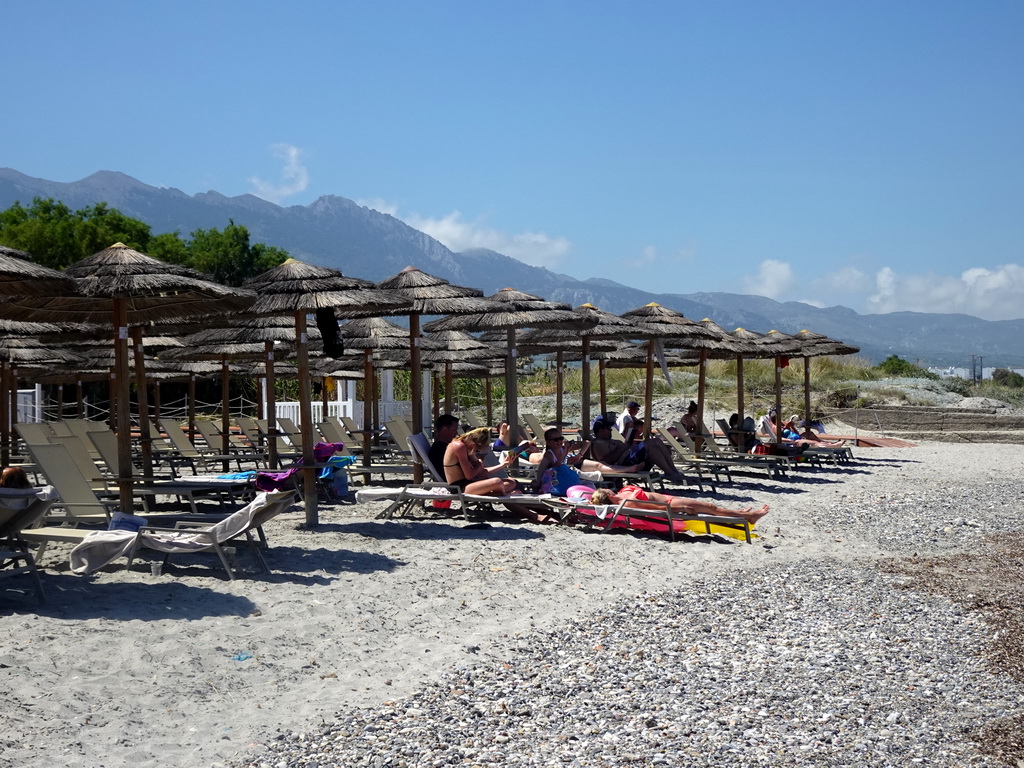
x: 462, y: 467
x: 635, y: 497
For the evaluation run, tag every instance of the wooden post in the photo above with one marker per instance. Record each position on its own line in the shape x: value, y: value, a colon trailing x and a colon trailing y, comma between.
x: 416, y: 386
x: 702, y: 370
x: 585, y: 394
x: 649, y: 393
x: 368, y: 405
x: 559, y: 385
x: 225, y: 409
x: 122, y: 417
x: 272, y: 461
x: 142, y: 390
x: 306, y: 420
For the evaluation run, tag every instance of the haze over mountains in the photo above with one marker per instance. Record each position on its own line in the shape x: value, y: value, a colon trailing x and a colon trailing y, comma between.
x: 337, y: 232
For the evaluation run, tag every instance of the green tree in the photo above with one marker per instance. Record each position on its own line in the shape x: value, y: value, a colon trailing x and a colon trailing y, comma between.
x: 1007, y: 378
x: 897, y: 366
x: 229, y: 257
x: 56, y: 236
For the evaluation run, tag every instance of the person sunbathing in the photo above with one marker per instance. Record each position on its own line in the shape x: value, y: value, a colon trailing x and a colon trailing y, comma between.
x: 648, y: 453
x: 811, y: 434
x: 792, y: 436
x: 637, y: 498
x: 14, y: 477
x: 463, y: 468
x: 577, y: 454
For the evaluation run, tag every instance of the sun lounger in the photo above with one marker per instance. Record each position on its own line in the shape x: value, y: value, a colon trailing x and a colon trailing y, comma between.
x: 22, y: 508
x: 660, y: 518
x: 775, y: 466
x: 103, y: 547
x: 182, y: 451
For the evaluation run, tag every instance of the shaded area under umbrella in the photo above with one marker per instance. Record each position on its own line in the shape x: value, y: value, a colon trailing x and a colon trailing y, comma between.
x: 123, y: 287
x: 517, y: 310
x: 297, y: 289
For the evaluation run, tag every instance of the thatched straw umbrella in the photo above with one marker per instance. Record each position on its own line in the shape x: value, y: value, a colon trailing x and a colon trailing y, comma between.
x: 817, y: 345
x: 607, y: 326
x: 20, y: 347
x: 131, y: 288
x: 220, y: 345
x: 452, y: 347
x: 664, y: 325
x: 429, y: 295
x: 297, y: 289
x: 722, y: 346
x: 20, y: 276
x: 518, y: 310
x: 780, y: 346
x: 373, y: 334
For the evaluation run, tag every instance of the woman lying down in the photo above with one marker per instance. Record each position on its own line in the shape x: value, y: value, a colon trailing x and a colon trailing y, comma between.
x: 637, y: 498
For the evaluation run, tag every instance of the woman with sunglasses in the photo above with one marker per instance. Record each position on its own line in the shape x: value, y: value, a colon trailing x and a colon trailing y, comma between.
x: 554, y: 476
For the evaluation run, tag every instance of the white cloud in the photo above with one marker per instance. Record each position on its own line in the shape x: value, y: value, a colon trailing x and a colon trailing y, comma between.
x: 774, y: 279
x: 294, y: 177
x: 536, y: 248
x: 383, y: 206
x: 991, y: 294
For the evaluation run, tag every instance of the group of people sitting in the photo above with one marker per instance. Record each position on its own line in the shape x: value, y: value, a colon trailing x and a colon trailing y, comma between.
x: 458, y: 458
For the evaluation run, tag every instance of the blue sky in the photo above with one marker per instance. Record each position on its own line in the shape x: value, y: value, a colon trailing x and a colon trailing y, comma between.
x: 868, y: 154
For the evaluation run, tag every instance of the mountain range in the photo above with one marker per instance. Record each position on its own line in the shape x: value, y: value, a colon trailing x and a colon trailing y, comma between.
x: 337, y: 232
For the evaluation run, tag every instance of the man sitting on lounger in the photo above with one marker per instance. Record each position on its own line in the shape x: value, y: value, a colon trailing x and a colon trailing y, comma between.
x: 637, y: 498
x: 650, y: 453
x: 445, y: 429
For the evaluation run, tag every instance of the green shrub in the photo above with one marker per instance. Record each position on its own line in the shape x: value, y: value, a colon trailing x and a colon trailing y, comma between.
x: 894, y: 365
x: 1007, y: 378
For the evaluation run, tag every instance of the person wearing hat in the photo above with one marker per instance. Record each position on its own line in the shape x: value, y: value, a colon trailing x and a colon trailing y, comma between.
x: 625, y: 421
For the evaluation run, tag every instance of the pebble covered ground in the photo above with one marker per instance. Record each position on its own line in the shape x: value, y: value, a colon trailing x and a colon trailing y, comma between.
x: 865, y: 657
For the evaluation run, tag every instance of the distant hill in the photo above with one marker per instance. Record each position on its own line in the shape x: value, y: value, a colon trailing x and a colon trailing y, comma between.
x: 337, y: 232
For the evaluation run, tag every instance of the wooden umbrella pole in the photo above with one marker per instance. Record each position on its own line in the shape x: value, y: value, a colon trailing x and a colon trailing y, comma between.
x: 449, y: 385
x: 512, y: 387
x: 435, y: 395
x: 145, y: 433
x: 416, y: 387
x: 602, y: 378
x: 702, y: 372
x: 740, y: 392
x: 12, y: 408
x: 585, y: 394
x: 558, y: 387
x: 488, y: 394
x: 192, y: 407
x: 80, y: 397
x: 367, y: 405
x: 225, y: 409
x: 268, y: 348
x: 5, y: 414
x: 156, y: 402
x: 649, y: 389
x: 325, y: 395
x: 807, y: 394
x: 306, y: 420
x: 60, y: 401
x: 123, y: 418
x: 778, y: 400
x: 375, y: 402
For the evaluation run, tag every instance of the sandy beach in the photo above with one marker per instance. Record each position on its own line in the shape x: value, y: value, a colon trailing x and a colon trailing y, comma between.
x: 188, y: 669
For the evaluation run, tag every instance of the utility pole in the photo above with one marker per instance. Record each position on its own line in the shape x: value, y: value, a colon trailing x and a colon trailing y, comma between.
x: 976, y: 369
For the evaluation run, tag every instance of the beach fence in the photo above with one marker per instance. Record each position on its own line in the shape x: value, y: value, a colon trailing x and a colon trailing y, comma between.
x: 30, y: 405
x: 346, y: 404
